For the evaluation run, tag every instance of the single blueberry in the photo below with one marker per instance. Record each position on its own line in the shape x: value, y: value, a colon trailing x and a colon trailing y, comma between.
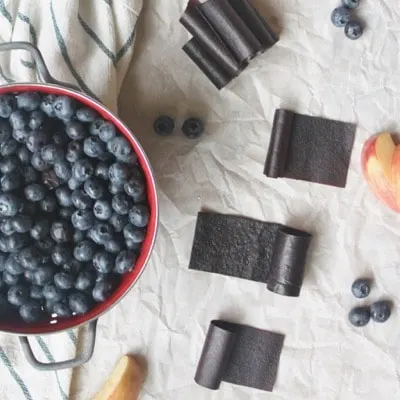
x: 353, y: 30
x: 102, y: 209
x: 51, y: 153
x: 122, y: 150
x: 53, y: 293
x: 47, y: 105
x: 115, y: 189
x: 351, y: 3
x: 73, y: 184
x: 36, y: 292
x: 31, y: 311
x: 101, y: 171
x: 29, y: 174
x: 107, y: 131
x: 95, y: 126
x: 381, y: 310
x: 22, y: 223
x: 102, y: 291
x: 85, y: 280
x: 10, y: 279
x: 139, y: 215
x: 43, y: 275
x: 61, y: 254
x: 133, y: 233
x: 30, y: 258
x: 35, y: 192
x: 136, y: 189
x: 10, y: 181
x: 18, y: 294
x: 73, y: 267
x: 51, y: 180
x: 86, y: 114
x: 19, y: 119
x: 103, y: 262
x: 9, y: 164
x: 7, y: 105
x: 164, y: 125
x: 64, y: 280
x: 101, y: 233
x: 36, y: 119
x: 59, y: 137
x: 113, y: 246
x: 132, y: 245
x: 125, y: 262
x: 76, y: 130
x: 340, y: 16
x: 63, y: 170
x: 24, y: 155
x: 81, y: 200
x: 94, y: 188
x: 29, y: 101
x: 16, y: 242
x: 78, y: 236
x: 83, y: 220
x: 93, y: 147
x: 82, y: 170
x: 29, y: 275
x: 121, y: 204
x: 9, y: 205
x: 359, y: 316
x: 74, y: 151
x: 361, y: 288
x: 64, y: 196
x: 49, y: 203
x: 118, y: 221
x: 12, y: 265
x: 193, y: 128
x: 62, y: 310
x: 36, y: 140
x: 78, y: 303
x: 66, y: 212
x: 8, y: 147
x: 21, y: 135
x: 38, y: 163
x: 61, y: 231
x: 6, y: 227
x: 64, y: 107
x: 84, y: 251
x: 118, y: 173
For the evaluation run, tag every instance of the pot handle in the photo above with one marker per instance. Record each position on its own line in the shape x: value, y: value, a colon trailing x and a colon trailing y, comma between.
x: 41, y: 66
x: 80, y: 359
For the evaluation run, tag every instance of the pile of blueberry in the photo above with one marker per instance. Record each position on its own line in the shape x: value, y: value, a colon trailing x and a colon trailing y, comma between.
x: 73, y: 207
x: 342, y: 17
x: 379, y: 311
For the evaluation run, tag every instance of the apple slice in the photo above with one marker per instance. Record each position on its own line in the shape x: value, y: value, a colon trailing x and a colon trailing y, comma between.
x: 384, y: 149
x: 396, y: 175
x: 124, y: 383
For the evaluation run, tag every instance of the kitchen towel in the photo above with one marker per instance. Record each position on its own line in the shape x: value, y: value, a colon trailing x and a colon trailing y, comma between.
x: 87, y: 43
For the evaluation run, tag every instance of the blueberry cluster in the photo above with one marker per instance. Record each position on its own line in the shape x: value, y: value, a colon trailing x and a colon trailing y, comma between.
x: 192, y: 127
x: 379, y: 311
x: 73, y: 207
x: 342, y: 17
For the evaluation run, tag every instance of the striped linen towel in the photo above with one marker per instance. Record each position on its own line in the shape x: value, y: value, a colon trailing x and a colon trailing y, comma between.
x: 88, y: 43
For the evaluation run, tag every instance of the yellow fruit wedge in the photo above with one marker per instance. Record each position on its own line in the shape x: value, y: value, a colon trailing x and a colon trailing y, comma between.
x: 124, y: 383
x: 384, y: 149
x: 396, y: 175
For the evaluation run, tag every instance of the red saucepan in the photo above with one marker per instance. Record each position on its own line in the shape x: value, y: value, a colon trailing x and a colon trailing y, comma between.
x: 52, y: 86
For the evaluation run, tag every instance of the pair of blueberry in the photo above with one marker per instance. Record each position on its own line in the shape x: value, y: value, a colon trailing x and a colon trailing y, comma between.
x: 379, y: 311
x: 342, y: 17
x: 192, y: 128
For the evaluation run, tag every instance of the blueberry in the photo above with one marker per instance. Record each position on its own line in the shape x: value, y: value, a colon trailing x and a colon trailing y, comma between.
x: 31, y: 311
x: 64, y: 107
x: 74, y: 151
x: 51, y: 153
x: 6, y: 226
x: 81, y: 200
x: 8, y: 147
x: 134, y: 234
x: 29, y: 174
x: 10, y: 181
x: 118, y: 221
x: 16, y: 242
x: 121, y: 204
x: 24, y: 155
x: 84, y: 280
x: 115, y: 189
x: 102, y: 209
x: 9, y: 164
x: 36, y: 119
x: 381, y: 310
x: 132, y: 245
x: 76, y: 130
x: 361, y: 288
x: 359, y: 316
x: 9, y: 205
x: 93, y: 146
x: 66, y: 212
x: 64, y: 196
x: 47, y: 105
x: 193, y: 128
x: 7, y: 105
x: 135, y: 188
x: 10, y: 279
x: 73, y: 267
x: 29, y: 275
x: 107, y: 131
x: 94, y: 188
x: 30, y: 258
x: 122, y: 150
x: 62, y: 310
x: 84, y: 251
x: 36, y: 292
x: 83, y: 220
x: 86, y: 115
x: 101, y: 233
x: 95, y: 126
x: 353, y: 30
x: 61, y: 231
x: 82, y: 170
x: 19, y: 119
x: 113, y: 246
x: 103, y: 262
x: 45, y: 245
x: 102, y: 291
x: 139, y: 215
x: 21, y: 135
x: 118, y: 173
x: 78, y: 236
x: 101, y: 171
x: 340, y: 16
x: 38, y: 163
x: 52, y: 293
x: 12, y: 266
x: 22, y: 223
x: 18, y: 294
x: 73, y: 184
x: 36, y: 140
x: 59, y: 137
x: 164, y: 125
x: 43, y: 275
x: 351, y: 3
x: 63, y: 170
x: 78, y: 303
x: 49, y: 203
x: 29, y: 101
x: 61, y: 254
x: 35, y: 192
x: 125, y: 262
x: 64, y: 280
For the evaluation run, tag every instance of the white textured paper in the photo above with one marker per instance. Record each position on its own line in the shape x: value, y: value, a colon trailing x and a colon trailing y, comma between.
x: 314, y: 70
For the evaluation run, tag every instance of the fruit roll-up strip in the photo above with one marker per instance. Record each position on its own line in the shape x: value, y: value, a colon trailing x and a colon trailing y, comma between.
x: 214, y: 72
x: 255, y: 22
x: 208, y: 38
x: 231, y: 28
x: 279, y: 143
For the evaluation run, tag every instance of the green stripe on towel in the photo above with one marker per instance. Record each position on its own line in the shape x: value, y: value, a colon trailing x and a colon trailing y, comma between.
x: 73, y: 337
x: 5, y: 12
x: 6, y: 78
x: 126, y: 46
x: 14, y: 374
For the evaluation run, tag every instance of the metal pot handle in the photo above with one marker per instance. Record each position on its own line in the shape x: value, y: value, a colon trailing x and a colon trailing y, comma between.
x: 41, y: 66
x: 80, y: 359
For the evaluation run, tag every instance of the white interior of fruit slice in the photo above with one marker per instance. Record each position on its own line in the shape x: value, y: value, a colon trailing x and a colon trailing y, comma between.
x: 384, y: 149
